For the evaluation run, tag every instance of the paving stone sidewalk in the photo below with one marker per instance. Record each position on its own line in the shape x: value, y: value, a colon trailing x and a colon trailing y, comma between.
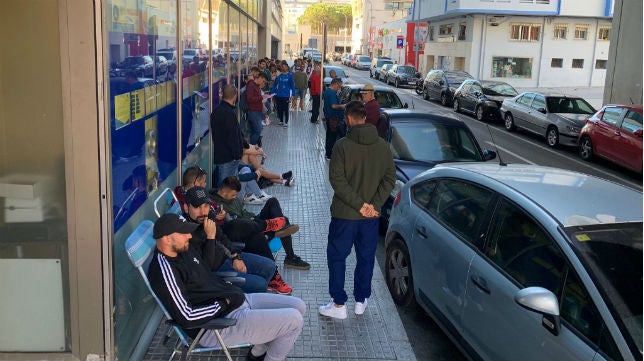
x: 376, y: 335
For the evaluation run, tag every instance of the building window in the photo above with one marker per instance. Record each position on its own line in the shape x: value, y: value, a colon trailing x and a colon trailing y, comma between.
x: 603, y: 33
x: 600, y: 64
x: 581, y: 32
x: 538, y: 2
x: 505, y: 67
x: 525, y: 32
x: 577, y: 63
x: 431, y: 33
x: 560, y: 31
x: 556, y: 63
x: 461, y: 31
x: 445, y: 29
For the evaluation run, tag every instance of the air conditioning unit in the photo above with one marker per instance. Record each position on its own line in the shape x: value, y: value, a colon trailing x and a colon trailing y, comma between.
x: 495, y: 20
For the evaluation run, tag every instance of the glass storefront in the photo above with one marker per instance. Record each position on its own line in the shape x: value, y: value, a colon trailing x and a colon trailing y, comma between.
x: 168, y: 61
x: 34, y: 262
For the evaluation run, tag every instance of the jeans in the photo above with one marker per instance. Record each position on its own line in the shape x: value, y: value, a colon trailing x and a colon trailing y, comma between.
x: 344, y: 234
x: 259, y: 270
x: 282, y: 109
x: 254, y: 126
x: 315, y: 111
x: 270, y: 322
x: 226, y: 170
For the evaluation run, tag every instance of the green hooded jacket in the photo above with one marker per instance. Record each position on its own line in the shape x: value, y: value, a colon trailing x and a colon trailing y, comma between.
x: 361, y: 171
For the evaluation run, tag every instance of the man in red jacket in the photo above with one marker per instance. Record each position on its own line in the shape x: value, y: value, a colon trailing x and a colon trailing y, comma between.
x: 316, y: 89
x: 255, y: 99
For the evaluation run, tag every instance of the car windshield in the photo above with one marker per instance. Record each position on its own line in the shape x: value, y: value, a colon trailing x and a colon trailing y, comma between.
x: 134, y: 60
x: 383, y: 62
x: 190, y: 52
x: 433, y: 143
x: 612, y: 254
x: 407, y: 70
x: 455, y: 79
x: 364, y: 58
x: 499, y: 89
x: 338, y: 72
x: 386, y: 66
x: 165, y: 55
x: 569, y: 105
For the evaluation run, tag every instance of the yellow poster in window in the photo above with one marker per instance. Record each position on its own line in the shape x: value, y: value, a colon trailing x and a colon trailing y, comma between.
x: 151, y: 157
x: 121, y: 110
x: 137, y: 104
x: 171, y: 92
x: 162, y: 96
x: 150, y: 99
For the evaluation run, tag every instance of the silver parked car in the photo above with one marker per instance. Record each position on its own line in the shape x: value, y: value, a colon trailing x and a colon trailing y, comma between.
x: 363, y: 62
x: 559, y: 118
x: 521, y: 262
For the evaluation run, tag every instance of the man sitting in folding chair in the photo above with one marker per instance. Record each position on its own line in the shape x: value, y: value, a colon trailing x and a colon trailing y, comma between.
x: 192, y: 295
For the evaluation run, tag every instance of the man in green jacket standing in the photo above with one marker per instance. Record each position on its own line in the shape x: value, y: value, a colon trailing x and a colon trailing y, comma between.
x: 362, y: 174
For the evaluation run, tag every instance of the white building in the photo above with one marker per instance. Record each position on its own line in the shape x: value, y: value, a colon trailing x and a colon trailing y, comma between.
x: 527, y: 43
x: 367, y: 14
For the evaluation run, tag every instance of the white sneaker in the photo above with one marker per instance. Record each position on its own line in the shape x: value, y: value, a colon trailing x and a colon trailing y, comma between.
x: 360, y: 307
x: 331, y: 311
x: 264, y: 196
x: 252, y: 199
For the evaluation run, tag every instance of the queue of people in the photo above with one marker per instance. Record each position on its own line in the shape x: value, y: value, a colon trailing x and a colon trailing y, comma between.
x: 217, y: 233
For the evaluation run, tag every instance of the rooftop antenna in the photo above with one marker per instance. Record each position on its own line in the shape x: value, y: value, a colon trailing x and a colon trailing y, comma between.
x: 501, y: 162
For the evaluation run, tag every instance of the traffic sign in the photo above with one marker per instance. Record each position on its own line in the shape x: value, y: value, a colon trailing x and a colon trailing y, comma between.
x: 400, y: 42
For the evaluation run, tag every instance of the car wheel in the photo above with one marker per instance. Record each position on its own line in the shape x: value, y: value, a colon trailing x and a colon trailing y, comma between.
x: 457, y: 107
x: 398, y: 273
x: 552, y: 136
x: 443, y: 99
x: 425, y: 94
x: 479, y: 113
x: 586, y: 148
x: 397, y: 83
x: 370, y: 74
x: 509, y: 122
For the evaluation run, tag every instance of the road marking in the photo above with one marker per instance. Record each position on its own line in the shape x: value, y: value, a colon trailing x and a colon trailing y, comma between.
x: 511, y: 153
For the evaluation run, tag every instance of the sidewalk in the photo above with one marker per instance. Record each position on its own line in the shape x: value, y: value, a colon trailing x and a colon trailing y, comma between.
x: 376, y: 335
x: 593, y: 95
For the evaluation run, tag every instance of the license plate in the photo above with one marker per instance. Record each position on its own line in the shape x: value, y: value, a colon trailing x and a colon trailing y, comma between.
x: 412, y: 82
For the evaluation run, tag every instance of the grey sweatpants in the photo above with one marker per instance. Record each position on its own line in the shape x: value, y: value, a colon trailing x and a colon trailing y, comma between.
x: 269, y: 321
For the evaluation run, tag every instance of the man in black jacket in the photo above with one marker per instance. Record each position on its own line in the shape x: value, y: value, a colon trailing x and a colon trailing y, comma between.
x: 227, y: 139
x: 181, y: 279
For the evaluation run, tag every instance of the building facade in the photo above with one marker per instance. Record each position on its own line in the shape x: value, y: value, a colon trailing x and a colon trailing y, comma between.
x: 401, y: 40
x: 527, y: 43
x: 367, y: 14
x: 104, y: 107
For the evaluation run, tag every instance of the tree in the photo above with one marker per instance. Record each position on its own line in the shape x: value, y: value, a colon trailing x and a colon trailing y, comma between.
x: 336, y: 17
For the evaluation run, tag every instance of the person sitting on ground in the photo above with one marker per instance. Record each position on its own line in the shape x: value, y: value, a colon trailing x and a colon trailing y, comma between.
x: 251, y: 192
x: 251, y: 156
x: 182, y: 280
x: 226, y: 196
x: 261, y: 273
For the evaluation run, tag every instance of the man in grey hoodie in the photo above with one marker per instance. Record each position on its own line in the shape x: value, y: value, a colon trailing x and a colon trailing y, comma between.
x: 362, y: 174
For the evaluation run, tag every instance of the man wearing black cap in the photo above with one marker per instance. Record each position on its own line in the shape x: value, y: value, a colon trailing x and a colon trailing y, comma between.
x: 217, y: 249
x: 192, y: 295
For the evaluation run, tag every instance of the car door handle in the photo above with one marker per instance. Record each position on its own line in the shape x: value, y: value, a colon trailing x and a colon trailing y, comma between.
x: 480, y: 283
x: 617, y: 133
x: 421, y: 230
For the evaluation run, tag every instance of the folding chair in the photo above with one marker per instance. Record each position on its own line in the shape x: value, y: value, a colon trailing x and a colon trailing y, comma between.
x: 171, y: 201
x: 140, y: 247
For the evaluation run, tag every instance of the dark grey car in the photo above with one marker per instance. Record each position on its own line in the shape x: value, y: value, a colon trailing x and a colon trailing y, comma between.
x: 559, y: 118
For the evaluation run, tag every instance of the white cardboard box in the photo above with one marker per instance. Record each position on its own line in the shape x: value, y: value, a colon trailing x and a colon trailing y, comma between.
x: 27, y: 197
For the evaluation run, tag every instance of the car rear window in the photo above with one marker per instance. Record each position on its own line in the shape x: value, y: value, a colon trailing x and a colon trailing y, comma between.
x: 383, y: 62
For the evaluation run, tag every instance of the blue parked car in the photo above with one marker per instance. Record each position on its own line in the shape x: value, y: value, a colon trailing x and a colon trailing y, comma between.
x: 521, y: 262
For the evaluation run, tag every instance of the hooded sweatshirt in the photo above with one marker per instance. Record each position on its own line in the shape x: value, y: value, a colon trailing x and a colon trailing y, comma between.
x: 361, y: 171
x: 284, y: 85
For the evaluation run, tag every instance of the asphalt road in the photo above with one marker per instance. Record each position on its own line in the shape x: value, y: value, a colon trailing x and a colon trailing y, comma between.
x: 428, y: 341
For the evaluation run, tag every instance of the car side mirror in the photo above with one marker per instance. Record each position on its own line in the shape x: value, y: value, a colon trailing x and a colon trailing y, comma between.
x: 441, y: 82
x: 541, y: 300
x: 488, y: 155
x: 477, y: 93
x: 407, y: 106
x: 542, y: 110
x: 638, y: 133
x: 417, y: 75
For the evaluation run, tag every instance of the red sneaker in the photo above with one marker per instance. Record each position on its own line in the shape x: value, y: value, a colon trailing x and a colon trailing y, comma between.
x: 275, y: 224
x: 277, y: 285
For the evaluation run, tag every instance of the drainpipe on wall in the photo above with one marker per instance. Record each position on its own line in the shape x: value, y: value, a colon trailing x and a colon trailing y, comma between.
x: 592, y: 64
x: 482, y: 45
x: 543, y: 32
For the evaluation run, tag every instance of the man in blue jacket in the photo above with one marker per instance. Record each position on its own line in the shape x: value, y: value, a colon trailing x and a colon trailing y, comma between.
x: 284, y: 89
x: 333, y: 116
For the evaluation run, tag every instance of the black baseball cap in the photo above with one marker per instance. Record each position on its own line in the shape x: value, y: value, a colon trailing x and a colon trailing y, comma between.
x: 172, y: 223
x: 196, y: 196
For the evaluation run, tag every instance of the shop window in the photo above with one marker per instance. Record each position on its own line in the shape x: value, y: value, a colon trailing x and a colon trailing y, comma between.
x: 600, y: 64
x: 560, y: 31
x: 503, y: 67
x: 577, y: 63
x: 462, y: 29
x: 603, y: 33
x: 581, y: 32
x: 556, y: 63
x: 525, y: 32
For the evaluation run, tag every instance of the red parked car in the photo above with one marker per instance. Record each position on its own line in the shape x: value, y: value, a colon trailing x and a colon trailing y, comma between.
x: 614, y: 133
